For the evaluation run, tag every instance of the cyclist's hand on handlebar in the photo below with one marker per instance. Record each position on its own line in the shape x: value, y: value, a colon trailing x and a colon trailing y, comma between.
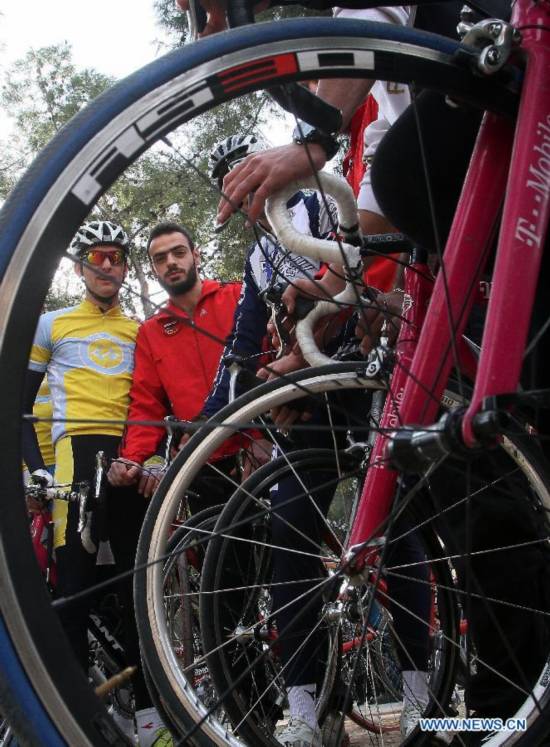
x: 265, y: 173
x: 123, y: 472
x: 273, y: 336
x: 43, y: 479
x: 292, y: 361
x: 301, y: 287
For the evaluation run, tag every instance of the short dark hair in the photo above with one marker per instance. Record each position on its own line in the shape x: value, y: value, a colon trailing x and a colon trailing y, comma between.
x: 168, y: 227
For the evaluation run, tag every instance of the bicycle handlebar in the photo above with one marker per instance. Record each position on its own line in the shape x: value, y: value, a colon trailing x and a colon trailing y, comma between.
x: 41, y: 493
x: 331, y: 252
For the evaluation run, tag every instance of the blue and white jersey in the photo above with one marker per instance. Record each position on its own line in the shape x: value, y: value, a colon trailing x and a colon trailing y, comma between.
x: 268, y: 263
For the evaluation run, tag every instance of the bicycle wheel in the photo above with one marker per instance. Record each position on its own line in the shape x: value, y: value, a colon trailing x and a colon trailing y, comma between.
x: 180, y: 585
x: 347, y: 377
x: 182, y: 574
x: 358, y: 629
x: 512, y: 473
x: 45, y: 695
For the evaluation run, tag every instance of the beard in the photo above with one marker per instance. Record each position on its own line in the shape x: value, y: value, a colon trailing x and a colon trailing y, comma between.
x: 184, y: 286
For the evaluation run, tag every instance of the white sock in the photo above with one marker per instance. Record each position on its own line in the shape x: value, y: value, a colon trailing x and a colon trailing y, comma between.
x: 415, y: 687
x: 301, y: 702
x: 148, y: 723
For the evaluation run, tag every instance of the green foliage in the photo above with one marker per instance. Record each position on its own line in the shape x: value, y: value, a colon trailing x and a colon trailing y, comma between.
x: 44, y: 90
x: 171, y: 19
x: 60, y: 298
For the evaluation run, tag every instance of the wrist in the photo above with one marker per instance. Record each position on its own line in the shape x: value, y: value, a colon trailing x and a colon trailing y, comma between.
x: 315, y: 139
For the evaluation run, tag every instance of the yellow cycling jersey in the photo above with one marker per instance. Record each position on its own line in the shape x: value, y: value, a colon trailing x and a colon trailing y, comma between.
x: 89, y: 358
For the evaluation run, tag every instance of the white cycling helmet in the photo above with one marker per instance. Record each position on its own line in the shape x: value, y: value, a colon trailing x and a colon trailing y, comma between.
x: 99, y: 232
x: 230, y: 152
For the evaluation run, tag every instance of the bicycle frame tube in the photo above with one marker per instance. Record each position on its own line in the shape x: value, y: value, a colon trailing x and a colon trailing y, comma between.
x: 464, y: 259
x: 379, y: 488
x: 524, y: 223
x: 418, y: 380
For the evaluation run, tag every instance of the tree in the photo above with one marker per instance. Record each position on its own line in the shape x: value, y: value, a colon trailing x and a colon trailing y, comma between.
x: 43, y: 91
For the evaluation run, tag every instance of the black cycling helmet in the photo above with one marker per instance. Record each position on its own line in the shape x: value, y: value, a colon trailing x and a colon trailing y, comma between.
x: 99, y: 232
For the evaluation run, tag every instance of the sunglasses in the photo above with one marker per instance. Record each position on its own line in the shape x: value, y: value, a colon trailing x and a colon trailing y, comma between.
x: 97, y: 258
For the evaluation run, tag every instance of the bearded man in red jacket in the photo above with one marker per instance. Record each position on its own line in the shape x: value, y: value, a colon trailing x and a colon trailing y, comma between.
x: 177, y: 353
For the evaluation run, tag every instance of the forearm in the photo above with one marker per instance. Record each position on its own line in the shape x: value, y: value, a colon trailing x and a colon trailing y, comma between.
x: 346, y: 94
x: 32, y: 455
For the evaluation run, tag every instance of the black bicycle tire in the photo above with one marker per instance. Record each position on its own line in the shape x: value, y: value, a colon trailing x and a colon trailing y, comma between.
x: 141, y: 591
x: 178, y: 536
x: 47, y: 206
x: 309, y: 459
x: 520, y: 448
x: 211, y: 569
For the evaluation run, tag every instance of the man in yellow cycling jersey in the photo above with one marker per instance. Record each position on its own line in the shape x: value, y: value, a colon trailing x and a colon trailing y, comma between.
x: 87, y: 351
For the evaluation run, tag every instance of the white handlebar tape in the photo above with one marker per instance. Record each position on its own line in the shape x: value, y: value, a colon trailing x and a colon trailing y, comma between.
x: 319, y: 249
x: 309, y: 246
x: 305, y: 327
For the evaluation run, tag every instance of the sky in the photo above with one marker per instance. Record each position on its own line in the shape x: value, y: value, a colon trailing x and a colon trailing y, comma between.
x: 115, y: 37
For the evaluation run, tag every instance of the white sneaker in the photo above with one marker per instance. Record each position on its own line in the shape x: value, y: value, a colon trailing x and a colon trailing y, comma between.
x: 299, y: 734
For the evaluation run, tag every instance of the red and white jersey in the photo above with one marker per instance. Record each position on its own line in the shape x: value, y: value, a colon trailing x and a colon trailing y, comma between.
x: 392, y: 98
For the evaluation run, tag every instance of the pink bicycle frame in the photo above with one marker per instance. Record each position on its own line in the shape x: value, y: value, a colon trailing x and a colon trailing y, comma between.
x: 507, y: 161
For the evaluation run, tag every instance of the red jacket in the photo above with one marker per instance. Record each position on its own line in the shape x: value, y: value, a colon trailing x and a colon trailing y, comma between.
x: 175, y: 364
